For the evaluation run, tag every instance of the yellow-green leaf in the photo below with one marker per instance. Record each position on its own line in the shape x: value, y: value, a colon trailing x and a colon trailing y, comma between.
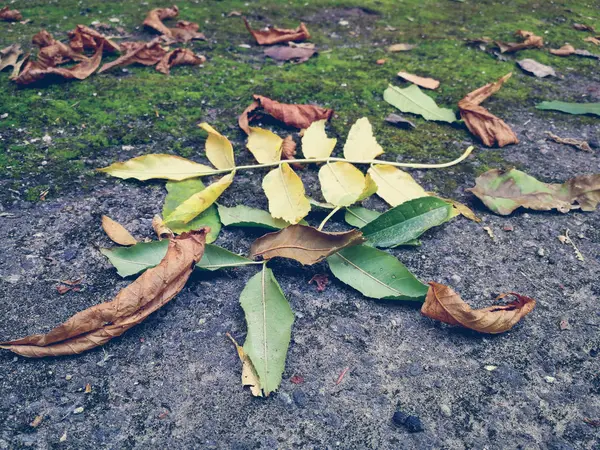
x: 315, y: 143
x: 264, y: 145
x: 361, y: 145
x: 168, y: 167
x: 198, y: 202
x: 394, y: 185
x: 342, y: 184
x: 285, y: 192
x: 219, y: 150
x: 370, y: 187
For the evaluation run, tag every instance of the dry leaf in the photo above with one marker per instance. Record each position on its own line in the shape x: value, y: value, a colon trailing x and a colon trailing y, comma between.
x: 593, y: 40
x: 288, y: 148
x: 84, y: 38
x: 445, y: 305
x: 10, y: 15
x: 146, y: 53
x: 249, y: 375
x: 179, y: 57
x: 399, y: 121
x: 97, y: 325
x: 276, y: 35
x: 401, y: 47
x: 117, y: 232
x: 577, y: 143
x: 304, y: 244
x: 52, y: 52
x: 161, y: 229
x: 530, y: 41
x: 583, y: 27
x: 565, y: 50
x: 536, y: 68
x: 321, y: 280
x: 185, y: 31
x: 295, y: 53
x: 9, y: 56
x: 427, y: 83
x: 156, y: 16
x: 481, y: 122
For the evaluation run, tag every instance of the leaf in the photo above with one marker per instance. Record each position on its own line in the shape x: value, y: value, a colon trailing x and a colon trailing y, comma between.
x: 162, y: 231
x: 244, y: 216
x: 394, y: 185
x: 577, y: 143
x: 131, y: 260
x: 376, y: 274
x: 571, y: 108
x: 147, y: 167
x: 489, y: 128
x: 249, y: 375
x: 145, y: 53
x: 269, y: 319
x: 413, y: 100
x: 298, y: 116
x: 10, y: 15
x: 530, y: 41
x: 445, y: 305
x: 406, y: 221
x: 567, y: 50
x: 219, y: 150
x: 285, y: 192
x: 265, y: 145
x: 357, y: 216
x: 307, y: 245
x: 342, y: 184
x: 117, y: 232
x: 288, y: 149
x: 84, y: 38
x: 276, y: 35
x: 399, y: 121
x: 459, y: 208
x: 401, y: 47
x: 361, y: 145
x: 199, y: 202
x: 294, y: 53
x: 177, y: 193
x: 370, y: 188
x: 156, y: 16
x: 97, y: 325
x: 427, y: 83
x: 503, y: 192
x: 9, y: 56
x: 536, y: 68
x: 216, y: 258
x: 179, y: 57
x: 315, y: 143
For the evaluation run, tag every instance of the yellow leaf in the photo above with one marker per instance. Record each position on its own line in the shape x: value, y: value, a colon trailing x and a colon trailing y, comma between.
x: 198, y: 202
x: 285, y: 192
x: 459, y: 208
x: 315, y: 143
x: 219, y: 150
x: 394, y: 185
x: 146, y: 167
x: 249, y: 375
x: 342, y: 184
x: 117, y: 232
x: 361, y: 145
x: 264, y: 145
x: 370, y: 187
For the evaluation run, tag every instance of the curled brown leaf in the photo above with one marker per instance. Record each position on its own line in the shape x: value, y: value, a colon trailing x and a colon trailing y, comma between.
x: 295, y: 53
x: 145, y: 53
x: 530, y: 41
x: 445, y: 305
x: 9, y: 56
x: 84, y: 38
x: 156, y: 16
x: 97, y: 325
x: 186, y: 31
x: 179, y: 57
x: 10, y: 15
x: 161, y: 229
x: 427, y: 83
x: 276, y: 35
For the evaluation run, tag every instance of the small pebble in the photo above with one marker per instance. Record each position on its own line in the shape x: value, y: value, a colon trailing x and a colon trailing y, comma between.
x: 549, y: 379
x: 68, y: 377
x: 541, y: 252
x: 78, y: 410
x: 490, y: 368
x: 455, y: 278
x: 445, y: 409
x: 344, y: 23
x: 411, y: 423
x: 508, y: 228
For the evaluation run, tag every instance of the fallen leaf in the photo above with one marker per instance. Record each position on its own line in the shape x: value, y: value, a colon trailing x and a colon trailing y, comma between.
x: 264, y: 145
x: 577, y: 143
x: 276, y: 35
x: 565, y: 50
x: 161, y: 229
x: 321, y: 280
x: 571, y: 108
x: 62, y: 289
x: 285, y: 192
x: 179, y: 57
x: 249, y: 375
x: 117, y: 232
x: 460, y: 208
x: 593, y: 40
x: 583, y: 27
x: 10, y: 15
x: 298, y: 116
x: 489, y: 128
x: 288, y: 149
x: 296, y: 54
x: 361, y: 144
x: 88, y: 388
x: 399, y: 121
x: 147, y: 167
x: 443, y: 304
x: 427, y: 83
x: 37, y: 421
x: 219, y: 150
x: 530, y: 41
x: 145, y: 53
x: 156, y: 16
x: 269, y: 320
x: 234, y: 14
x: 84, y: 38
x: 504, y: 192
x: 357, y: 216
x: 315, y: 143
x: 97, y: 325
x: 342, y: 184
x: 536, y: 68
x: 401, y: 47
x: 413, y: 100
x: 307, y: 245
x: 184, y: 31
x: 131, y: 260
x: 394, y: 185
x: 244, y: 216
x: 9, y: 56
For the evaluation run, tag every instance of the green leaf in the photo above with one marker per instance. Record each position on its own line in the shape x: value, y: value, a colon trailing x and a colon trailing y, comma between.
x: 357, y: 216
x: 413, y: 100
x: 177, y: 193
x: 571, y: 108
x: 376, y: 274
x: 269, y: 319
x: 137, y: 258
x: 216, y: 258
x: 244, y: 216
x: 407, y: 221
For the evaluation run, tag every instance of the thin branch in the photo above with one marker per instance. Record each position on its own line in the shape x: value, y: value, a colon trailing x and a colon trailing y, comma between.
x: 329, y: 216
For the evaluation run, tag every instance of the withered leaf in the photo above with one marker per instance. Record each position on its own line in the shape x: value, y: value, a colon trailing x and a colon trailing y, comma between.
x: 156, y: 16
x: 593, y: 40
x: 186, y: 31
x: 288, y: 149
x: 84, y: 38
x: 52, y: 52
x: 530, y: 41
x: 401, y: 47
x: 298, y: 116
x: 304, y: 244
x: 427, y: 83
x: 276, y: 35
x: 399, y: 121
x: 9, y: 56
x: 568, y: 49
x: 445, y: 305
x: 145, y: 53
x: 489, y: 128
x: 583, y: 27
x: 161, y: 229
x: 97, y: 325
x: 577, y: 143
x: 10, y: 15
x: 538, y: 69
x: 117, y: 232
x: 179, y: 57
x: 294, y: 53
x: 249, y: 375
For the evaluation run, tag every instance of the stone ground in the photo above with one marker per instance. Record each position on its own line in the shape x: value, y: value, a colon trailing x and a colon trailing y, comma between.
x: 173, y: 381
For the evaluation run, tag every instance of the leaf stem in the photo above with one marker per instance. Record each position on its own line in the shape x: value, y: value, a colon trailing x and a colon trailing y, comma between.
x: 329, y: 216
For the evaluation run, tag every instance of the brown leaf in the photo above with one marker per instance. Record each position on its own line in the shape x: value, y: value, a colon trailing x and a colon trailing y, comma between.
x: 399, y: 121
x: 298, y: 116
x: 593, y: 40
x: 489, y: 128
x: 97, y: 325
x: 304, y: 244
x: 186, y: 31
x: 321, y: 280
x: 10, y: 15
x: 62, y: 289
x: 179, y: 57
x: 583, y: 27
x: 288, y: 148
x: 427, y: 83
x: 9, y: 56
x: 445, y: 305
x: 117, y: 232
x: 297, y: 379
x: 565, y: 50
x: 401, y: 47
x: 536, y: 68
x: 577, y: 143
x: 84, y: 38
x: 295, y: 53
x: 530, y: 41
x: 156, y: 16
x: 52, y: 52
x: 276, y: 35
x: 145, y: 53
x: 161, y: 230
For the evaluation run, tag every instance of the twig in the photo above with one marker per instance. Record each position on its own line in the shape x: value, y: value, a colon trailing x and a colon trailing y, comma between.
x: 342, y: 375
x: 329, y: 216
